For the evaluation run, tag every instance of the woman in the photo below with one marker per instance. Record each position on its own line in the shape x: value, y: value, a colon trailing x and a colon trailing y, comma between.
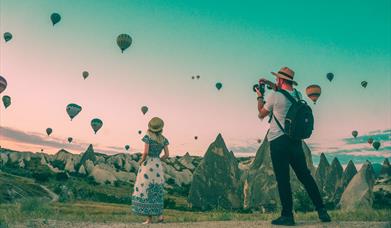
x: 147, y: 198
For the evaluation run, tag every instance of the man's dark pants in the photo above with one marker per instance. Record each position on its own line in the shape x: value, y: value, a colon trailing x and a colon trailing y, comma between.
x: 284, y: 152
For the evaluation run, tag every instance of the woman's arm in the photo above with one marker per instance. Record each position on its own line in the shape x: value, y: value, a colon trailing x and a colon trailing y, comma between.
x: 166, y: 153
x: 144, y: 156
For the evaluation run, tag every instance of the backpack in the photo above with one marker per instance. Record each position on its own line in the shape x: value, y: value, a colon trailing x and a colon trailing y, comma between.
x: 299, y: 121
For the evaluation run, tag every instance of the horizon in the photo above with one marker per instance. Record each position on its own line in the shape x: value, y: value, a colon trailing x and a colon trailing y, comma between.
x: 234, y: 44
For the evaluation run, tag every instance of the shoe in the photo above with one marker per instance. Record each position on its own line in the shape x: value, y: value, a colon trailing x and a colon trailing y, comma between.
x: 284, y: 221
x: 323, y: 215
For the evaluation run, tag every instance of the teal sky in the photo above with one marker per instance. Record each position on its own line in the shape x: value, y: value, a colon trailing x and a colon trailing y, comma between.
x: 235, y: 43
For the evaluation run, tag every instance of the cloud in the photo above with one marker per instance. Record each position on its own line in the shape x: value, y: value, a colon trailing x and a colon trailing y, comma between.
x: 244, y: 149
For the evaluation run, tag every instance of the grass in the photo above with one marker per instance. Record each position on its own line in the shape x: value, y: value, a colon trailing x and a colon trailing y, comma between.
x: 85, y: 211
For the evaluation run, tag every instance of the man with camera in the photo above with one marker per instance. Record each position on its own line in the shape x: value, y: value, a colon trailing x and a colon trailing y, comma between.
x: 291, y: 121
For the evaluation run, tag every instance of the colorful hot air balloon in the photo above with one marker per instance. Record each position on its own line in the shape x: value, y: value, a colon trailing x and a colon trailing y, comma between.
x: 127, y: 147
x: 85, y: 74
x: 219, y: 85
x: 55, y: 17
x: 7, y: 36
x: 330, y: 76
x: 73, y: 110
x: 3, y: 84
x: 144, y: 109
x: 313, y: 92
x: 364, y: 84
x: 139, y: 132
x: 49, y: 131
x: 354, y: 133
x: 70, y: 139
x: 376, y: 145
x: 195, y: 137
x: 6, y: 101
x: 96, y: 124
x: 124, y: 41
x: 370, y: 140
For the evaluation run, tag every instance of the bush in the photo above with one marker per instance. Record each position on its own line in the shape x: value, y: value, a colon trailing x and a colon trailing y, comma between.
x: 34, y: 205
x: 381, y: 199
x: 169, y: 203
x: 3, y: 223
x: 62, y: 176
x: 302, y: 201
x: 42, y: 176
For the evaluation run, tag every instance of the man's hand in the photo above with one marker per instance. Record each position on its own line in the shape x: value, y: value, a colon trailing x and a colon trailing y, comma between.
x: 259, y: 94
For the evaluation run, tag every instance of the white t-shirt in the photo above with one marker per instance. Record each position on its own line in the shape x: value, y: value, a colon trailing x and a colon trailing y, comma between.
x: 277, y: 103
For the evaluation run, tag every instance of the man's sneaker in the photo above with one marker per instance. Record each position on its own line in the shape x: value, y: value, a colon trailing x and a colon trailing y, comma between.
x: 284, y: 220
x: 323, y: 215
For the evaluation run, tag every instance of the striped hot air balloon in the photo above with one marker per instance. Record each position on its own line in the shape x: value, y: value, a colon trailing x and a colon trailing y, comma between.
x: 313, y: 92
x: 364, y: 84
x: 3, y: 84
x: 124, y: 41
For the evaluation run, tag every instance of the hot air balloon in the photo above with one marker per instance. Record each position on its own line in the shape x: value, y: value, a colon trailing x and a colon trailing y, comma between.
x: 192, y: 77
x: 49, y: 131
x: 144, y: 109
x: 198, y: 77
x: 124, y: 41
x: 376, y: 145
x: 259, y: 140
x: 370, y: 140
x: 7, y: 36
x: 364, y: 84
x: 354, y: 133
x: 85, y: 74
x: 41, y: 150
x: 219, y: 85
x: 6, y: 101
x: 313, y: 92
x: 195, y: 137
x: 3, y: 84
x: 96, y: 124
x: 73, y: 110
x: 139, y: 132
x: 330, y: 76
x: 55, y: 17
x: 70, y: 139
x: 127, y: 147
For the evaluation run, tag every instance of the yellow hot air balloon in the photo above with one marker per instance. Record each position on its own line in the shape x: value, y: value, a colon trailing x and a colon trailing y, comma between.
x: 313, y: 92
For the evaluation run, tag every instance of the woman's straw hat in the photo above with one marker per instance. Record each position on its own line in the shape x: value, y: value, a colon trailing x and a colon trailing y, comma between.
x: 155, y: 124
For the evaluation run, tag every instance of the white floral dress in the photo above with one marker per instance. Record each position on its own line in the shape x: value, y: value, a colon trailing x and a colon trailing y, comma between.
x: 147, y: 198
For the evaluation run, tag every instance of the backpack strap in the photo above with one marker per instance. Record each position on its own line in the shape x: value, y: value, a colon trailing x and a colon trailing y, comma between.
x: 291, y: 99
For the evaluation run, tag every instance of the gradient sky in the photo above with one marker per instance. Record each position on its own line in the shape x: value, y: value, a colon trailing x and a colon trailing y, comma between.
x: 235, y: 43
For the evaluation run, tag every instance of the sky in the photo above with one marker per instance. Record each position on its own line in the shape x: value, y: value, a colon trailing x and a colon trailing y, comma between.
x: 234, y: 43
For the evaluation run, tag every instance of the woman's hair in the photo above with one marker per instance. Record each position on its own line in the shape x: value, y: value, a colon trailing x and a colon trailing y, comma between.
x: 156, y: 136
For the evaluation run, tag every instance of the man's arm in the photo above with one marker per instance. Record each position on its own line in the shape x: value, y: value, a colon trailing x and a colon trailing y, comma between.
x: 262, y: 111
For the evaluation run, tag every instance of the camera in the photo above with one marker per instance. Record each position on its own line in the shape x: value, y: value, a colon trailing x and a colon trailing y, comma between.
x: 260, y: 87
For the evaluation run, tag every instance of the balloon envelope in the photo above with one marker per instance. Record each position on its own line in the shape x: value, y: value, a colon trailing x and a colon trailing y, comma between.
x: 139, y: 132
x: 219, y: 85
x: 73, y: 110
x: 330, y: 76
x: 376, y: 145
x: 55, y: 17
x: 96, y: 124
x: 7, y: 36
x: 144, y: 109
x: 124, y: 41
x: 364, y: 84
x: 127, y: 147
x: 195, y: 137
x: 370, y: 140
x: 3, y: 84
x: 70, y: 139
x: 6, y: 101
x: 354, y: 133
x: 313, y: 92
x: 49, y: 131
x: 85, y: 74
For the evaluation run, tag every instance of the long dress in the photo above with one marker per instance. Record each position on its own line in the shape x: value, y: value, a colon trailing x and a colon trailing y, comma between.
x: 147, y: 198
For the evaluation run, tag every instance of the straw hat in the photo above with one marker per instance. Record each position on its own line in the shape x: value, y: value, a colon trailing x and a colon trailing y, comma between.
x: 285, y: 73
x: 155, y: 124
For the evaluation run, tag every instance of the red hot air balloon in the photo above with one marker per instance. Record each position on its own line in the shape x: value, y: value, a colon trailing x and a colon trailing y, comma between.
x: 313, y: 92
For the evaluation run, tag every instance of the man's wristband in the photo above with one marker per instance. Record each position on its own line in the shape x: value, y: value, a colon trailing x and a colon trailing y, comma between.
x: 260, y: 98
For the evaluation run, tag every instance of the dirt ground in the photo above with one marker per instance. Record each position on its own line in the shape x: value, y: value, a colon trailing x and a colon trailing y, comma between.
x: 214, y: 224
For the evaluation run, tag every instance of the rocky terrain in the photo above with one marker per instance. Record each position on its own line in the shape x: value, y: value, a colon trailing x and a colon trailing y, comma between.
x: 217, y: 180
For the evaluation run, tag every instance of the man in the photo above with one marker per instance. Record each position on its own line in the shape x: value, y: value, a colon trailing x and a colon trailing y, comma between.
x: 286, y: 151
